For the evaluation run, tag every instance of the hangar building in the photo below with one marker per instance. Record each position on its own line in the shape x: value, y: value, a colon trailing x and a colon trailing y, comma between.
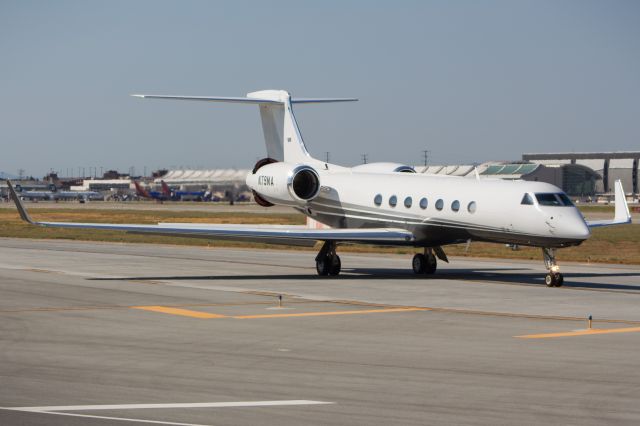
x: 610, y: 166
x: 574, y: 179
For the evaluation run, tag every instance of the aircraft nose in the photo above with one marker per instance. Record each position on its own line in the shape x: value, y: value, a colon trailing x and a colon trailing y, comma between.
x: 580, y: 230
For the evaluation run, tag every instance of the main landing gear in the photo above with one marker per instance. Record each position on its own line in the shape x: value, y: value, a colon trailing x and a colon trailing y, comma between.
x: 553, y: 278
x: 425, y: 263
x: 327, y: 261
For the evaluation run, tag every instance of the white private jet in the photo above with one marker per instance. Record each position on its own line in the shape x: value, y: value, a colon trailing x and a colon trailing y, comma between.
x: 382, y: 203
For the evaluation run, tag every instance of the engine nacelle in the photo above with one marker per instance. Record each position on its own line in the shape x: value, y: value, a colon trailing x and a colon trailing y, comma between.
x: 383, y: 168
x: 285, y: 183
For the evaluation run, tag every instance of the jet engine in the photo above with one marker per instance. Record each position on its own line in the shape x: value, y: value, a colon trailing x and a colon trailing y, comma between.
x: 284, y: 183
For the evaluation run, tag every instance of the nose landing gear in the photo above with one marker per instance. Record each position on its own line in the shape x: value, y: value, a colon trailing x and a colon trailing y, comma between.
x: 553, y: 278
x: 327, y: 261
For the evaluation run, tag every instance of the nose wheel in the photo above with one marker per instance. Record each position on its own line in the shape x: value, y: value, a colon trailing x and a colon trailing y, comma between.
x: 553, y: 278
x: 327, y: 261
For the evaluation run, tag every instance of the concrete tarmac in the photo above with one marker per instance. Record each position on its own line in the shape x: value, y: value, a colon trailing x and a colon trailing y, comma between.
x: 88, y: 329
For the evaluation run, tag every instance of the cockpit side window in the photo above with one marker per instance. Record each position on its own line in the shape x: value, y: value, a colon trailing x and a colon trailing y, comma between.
x: 527, y: 200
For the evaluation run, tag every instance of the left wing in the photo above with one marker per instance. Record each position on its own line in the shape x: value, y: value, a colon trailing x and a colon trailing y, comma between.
x: 275, y: 234
x: 621, y: 215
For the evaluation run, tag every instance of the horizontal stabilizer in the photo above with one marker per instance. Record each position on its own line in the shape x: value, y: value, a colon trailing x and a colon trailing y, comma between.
x: 236, y: 100
x: 320, y: 100
x: 246, y: 100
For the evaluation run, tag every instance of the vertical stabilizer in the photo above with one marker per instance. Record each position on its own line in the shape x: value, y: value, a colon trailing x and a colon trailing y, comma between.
x: 281, y: 133
x: 272, y: 124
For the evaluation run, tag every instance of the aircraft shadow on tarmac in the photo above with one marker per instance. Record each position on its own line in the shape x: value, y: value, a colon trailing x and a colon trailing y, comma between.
x: 475, y: 275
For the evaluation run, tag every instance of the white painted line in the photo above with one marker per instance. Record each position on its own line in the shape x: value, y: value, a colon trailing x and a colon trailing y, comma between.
x: 176, y: 405
x: 122, y: 419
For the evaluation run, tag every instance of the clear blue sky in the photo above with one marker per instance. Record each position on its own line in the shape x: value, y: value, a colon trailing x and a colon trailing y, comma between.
x: 468, y: 80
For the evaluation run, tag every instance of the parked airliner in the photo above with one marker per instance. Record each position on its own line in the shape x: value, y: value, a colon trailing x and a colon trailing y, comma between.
x: 163, y: 195
x: 180, y: 195
x: 382, y: 203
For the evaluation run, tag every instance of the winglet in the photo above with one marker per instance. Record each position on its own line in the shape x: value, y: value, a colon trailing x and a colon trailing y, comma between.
x: 23, y: 212
x: 621, y: 215
x: 621, y: 206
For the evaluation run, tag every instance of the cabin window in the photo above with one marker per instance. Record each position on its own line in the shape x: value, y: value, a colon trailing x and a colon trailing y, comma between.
x: 407, y: 202
x: 393, y: 200
x: 471, y: 208
x: 439, y: 204
x: 377, y: 200
x: 527, y: 200
x: 423, y: 203
x: 455, y: 206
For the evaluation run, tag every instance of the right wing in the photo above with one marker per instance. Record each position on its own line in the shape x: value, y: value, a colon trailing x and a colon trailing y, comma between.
x: 274, y: 234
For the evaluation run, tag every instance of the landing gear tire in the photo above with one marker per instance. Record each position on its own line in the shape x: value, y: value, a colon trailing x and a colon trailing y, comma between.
x: 432, y: 264
x: 323, y: 266
x: 554, y: 280
x: 424, y: 263
x: 549, y: 280
x: 419, y: 264
x: 335, y: 266
x: 327, y: 261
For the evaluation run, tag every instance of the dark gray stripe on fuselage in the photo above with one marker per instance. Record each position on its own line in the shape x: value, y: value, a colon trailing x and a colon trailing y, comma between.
x: 429, y: 231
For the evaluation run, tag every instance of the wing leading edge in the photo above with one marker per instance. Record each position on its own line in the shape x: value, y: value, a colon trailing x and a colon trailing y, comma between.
x: 278, y: 234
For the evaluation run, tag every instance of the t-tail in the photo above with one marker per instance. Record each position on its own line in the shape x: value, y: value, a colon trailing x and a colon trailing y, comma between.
x: 282, y: 136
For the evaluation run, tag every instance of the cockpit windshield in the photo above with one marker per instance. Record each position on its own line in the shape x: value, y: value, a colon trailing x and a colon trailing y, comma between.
x: 557, y: 200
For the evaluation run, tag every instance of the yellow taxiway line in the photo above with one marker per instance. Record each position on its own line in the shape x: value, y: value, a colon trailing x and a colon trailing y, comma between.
x: 206, y: 315
x: 586, y: 332
x: 177, y: 311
